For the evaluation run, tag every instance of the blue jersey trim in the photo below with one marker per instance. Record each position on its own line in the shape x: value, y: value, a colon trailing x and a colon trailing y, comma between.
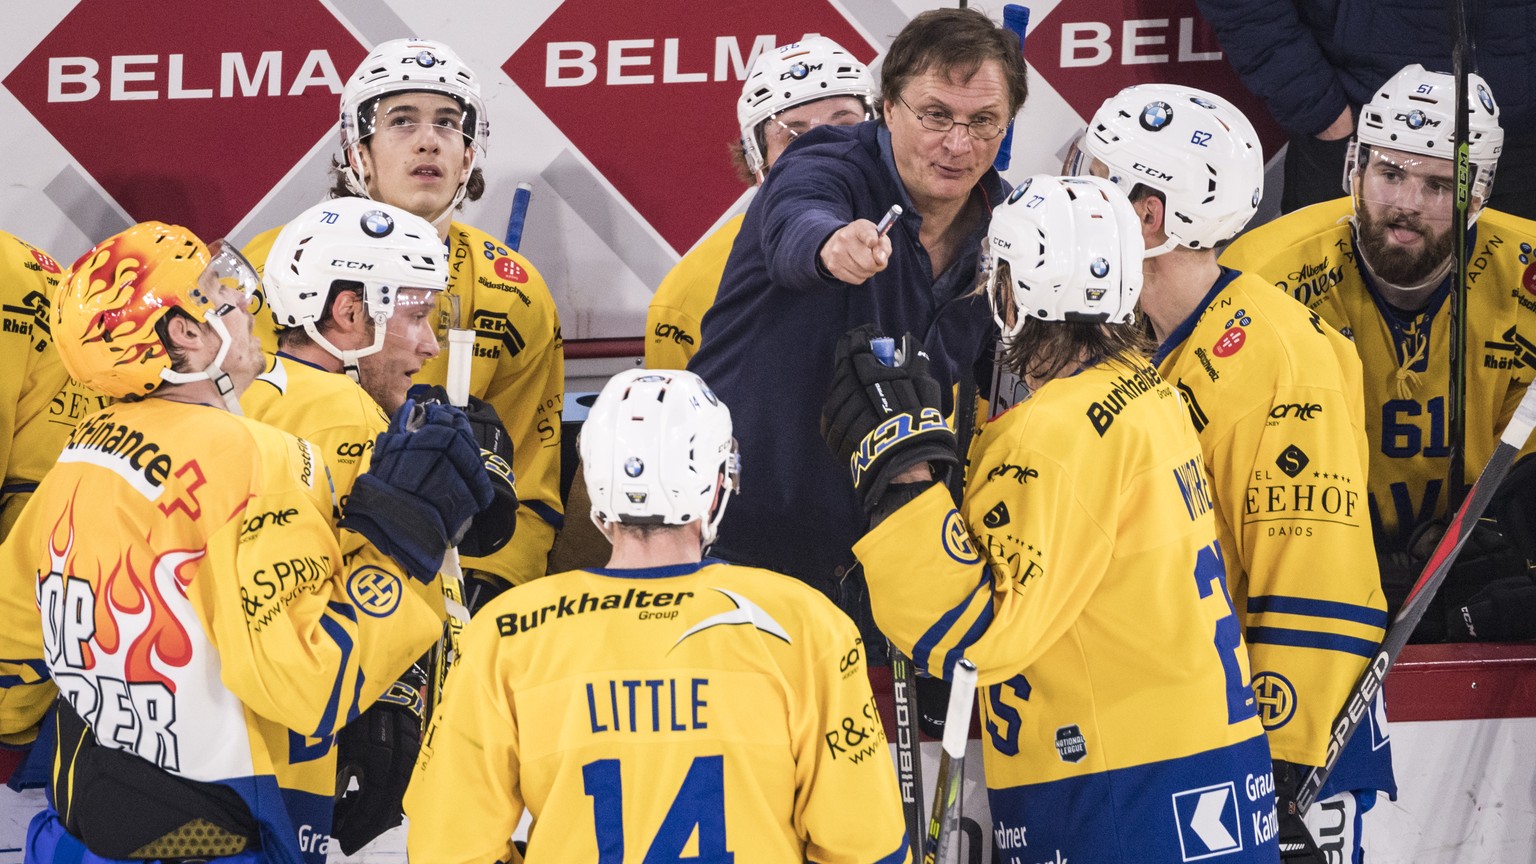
x: 343, y: 641
x: 663, y: 572
x: 547, y: 513
x: 1308, y: 639
x: 946, y: 622
x: 1187, y: 326
x: 1318, y: 609
x: 14, y: 488
x: 38, y: 667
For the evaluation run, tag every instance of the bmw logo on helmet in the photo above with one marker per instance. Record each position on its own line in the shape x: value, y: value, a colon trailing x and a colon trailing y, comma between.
x: 1203, y: 103
x: 1485, y: 97
x: 1156, y: 116
x: 633, y: 466
x: 1099, y: 268
x: 799, y: 71
x: 426, y: 60
x: 377, y: 223
x: 1018, y: 192
x: 1416, y: 119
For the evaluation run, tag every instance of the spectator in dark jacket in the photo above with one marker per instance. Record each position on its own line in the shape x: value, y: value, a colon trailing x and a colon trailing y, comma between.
x: 1315, y: 62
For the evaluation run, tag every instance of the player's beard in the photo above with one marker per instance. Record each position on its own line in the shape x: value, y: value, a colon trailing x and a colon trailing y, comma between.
x: 1394, y: 265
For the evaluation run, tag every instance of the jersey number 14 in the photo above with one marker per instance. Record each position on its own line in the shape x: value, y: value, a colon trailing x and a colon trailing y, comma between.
x: 700, y: 803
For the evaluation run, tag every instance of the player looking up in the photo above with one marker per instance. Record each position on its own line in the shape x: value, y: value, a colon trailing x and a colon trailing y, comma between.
x: 667, y: 701
x: 1275, y: 397
x: 413, y: 132
x: 1087, y: 532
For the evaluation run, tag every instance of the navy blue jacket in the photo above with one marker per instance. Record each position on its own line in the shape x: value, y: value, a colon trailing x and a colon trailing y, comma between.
x: 768, y: 340
x: 1307, y: 59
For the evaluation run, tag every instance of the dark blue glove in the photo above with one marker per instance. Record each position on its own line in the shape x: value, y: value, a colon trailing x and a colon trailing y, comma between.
x: 493, y: 528
x: 426, y: 483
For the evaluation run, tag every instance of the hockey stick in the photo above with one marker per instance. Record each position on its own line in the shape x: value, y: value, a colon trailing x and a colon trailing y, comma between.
x: 519, y: 215
x: 1015, y: 18
x: 461, y: 349
x: 1417, y: 602
x: 943, y: 824
x: 909, y: 766
x: 1456, y: 421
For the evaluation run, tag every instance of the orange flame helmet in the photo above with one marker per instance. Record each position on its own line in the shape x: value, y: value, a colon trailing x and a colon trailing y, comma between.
x: 105, y: 315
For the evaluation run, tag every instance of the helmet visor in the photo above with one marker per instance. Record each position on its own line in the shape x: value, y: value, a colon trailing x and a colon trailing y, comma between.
x: 1409, y: 182
x: 227, y: 271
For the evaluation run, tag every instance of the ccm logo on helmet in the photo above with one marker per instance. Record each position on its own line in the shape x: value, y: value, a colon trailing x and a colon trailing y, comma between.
x: 350, y: 265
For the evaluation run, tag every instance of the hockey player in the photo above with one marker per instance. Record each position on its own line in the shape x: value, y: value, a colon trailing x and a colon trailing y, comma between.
x: 353, y: 285
x: 1086, y: 535
x: 199, y: 613
x: 688, y: 704
x: 39, y: 403
x: 413, y: 131
x: 1376, y: 266
x: 1275, y: 397
x: 789, y: 91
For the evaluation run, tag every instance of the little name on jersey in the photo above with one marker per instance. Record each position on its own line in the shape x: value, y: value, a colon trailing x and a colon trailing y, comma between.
x: 647, y: 705
x: 635, y: 598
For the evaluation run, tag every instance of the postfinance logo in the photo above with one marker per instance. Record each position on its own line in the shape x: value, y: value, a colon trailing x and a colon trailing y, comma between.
x: 209, y: 74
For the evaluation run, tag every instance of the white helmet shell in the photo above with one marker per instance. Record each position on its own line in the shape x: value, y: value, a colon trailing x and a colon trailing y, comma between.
x: 1074, y: 251
x: 410, y: 66
x: 383, y: 247
x: 1194, y: 147
x: 657, y: 449
x: 794, y: 74
x: 1415, y: 112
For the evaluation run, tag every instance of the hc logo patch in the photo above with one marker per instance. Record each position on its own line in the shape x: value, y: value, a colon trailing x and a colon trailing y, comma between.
x: 1208, y: 821
x: 957, y: 540
x: 374, y: 591
x: 1275, y: 698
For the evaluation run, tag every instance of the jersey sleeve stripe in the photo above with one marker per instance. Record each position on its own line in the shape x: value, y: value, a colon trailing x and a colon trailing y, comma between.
x: 1318, y: 608
x: 1306, y: 639
x: 978, y: 627
x: 896, y: 857
x: 545, y: 512
x: 932, y: 636
x: 37, y: 667
x: 14, y: 488
x: 343, y: 641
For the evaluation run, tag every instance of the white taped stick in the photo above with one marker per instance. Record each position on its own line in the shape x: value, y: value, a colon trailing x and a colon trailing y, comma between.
x: 461, y: 350
x: 1520, y: 425
x: 962, y: 697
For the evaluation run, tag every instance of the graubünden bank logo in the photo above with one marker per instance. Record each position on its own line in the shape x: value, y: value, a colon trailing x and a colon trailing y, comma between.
x: 186, y: 111
x: 647, y: 93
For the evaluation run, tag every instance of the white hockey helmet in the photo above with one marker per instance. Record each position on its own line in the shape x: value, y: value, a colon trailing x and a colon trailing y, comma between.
x: 790, y: 75
x: 1415, y: 112
x: 1194, y: 147
x: 657, y: 449
x: 409, y: 66
x: 1073, y: 248
x: 383, y: 247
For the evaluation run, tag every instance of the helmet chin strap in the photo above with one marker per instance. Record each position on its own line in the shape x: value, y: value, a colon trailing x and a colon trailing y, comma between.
x: 213, y: 371
x: 1167, y: 246
x: 349, y: 357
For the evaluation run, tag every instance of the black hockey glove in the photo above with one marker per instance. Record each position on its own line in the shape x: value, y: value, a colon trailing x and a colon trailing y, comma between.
x: 1487, y: 557
x: 493, y: 528
x: 882, y: 419
x: 425, y: 484
x: 377, y: 751
x: 1296, y: 843
x: 1501, y: 611
x: 481, y: 587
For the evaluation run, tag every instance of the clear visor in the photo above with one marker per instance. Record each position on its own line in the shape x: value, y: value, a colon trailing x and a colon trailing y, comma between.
x: 227, y: 271
x: 1408, y: 182
x: 445, y: 118
x: 447, y: 315
x: 1076, y: 161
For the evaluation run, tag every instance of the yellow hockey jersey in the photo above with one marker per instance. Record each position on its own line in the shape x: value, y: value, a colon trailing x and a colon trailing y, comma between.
x: 701, y: 712
x: 519, y: 368
x: 198, y: 610
x: 1274, y: 395
x: 1311, y: 254
x: 39, y: 402
x: 327, y: 409
x: 672, y: 321
x: 1083, y: 577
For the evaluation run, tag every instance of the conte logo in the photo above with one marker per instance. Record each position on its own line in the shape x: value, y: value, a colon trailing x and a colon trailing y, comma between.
x: 209, y: 74
x: 597, y: 58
